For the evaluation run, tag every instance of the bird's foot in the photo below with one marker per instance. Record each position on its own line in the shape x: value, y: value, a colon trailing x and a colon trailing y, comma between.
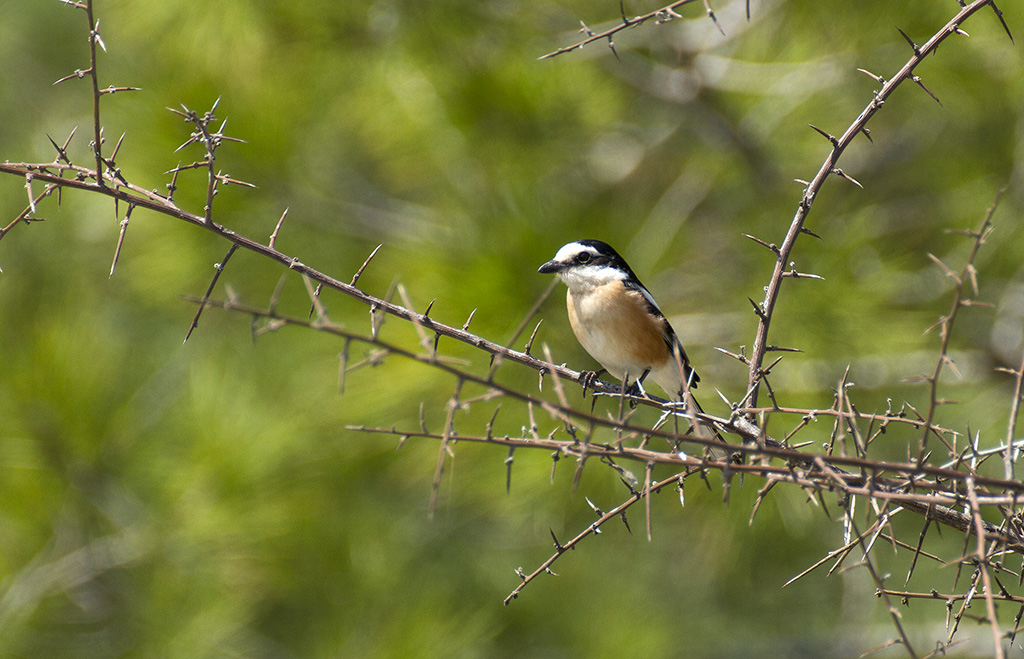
x: 634, y: 390
x: 588, y: 378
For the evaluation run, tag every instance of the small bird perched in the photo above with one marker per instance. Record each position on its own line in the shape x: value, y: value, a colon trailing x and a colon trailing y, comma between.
x: 618, y: 322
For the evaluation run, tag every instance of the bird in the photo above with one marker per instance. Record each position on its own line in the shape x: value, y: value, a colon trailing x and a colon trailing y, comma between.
x: 617, y: 321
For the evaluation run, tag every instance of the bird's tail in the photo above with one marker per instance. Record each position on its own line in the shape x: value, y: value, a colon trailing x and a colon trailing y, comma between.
x: 688, y: 380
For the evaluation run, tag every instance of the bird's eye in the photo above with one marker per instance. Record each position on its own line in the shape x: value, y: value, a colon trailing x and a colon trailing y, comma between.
x: 583, y: 257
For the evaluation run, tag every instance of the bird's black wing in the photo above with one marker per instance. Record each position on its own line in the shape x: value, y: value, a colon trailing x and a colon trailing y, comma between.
x: 669, y: 334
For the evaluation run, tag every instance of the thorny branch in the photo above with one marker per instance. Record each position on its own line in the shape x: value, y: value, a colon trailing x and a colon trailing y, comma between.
x: 928, y: 490
x: 662, y: 15
x: 952, y: 495
x: 967, y: 277
x: 829, y: 167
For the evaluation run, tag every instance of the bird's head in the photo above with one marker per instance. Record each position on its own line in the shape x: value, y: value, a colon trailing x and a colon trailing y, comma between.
x: 586, y: 263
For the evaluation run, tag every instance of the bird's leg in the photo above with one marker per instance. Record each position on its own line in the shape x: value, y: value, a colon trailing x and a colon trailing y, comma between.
x: 635, y: 389
x: 637, y: 386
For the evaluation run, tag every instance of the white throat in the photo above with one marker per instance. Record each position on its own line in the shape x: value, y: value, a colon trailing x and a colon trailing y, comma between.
x: 582, y: 278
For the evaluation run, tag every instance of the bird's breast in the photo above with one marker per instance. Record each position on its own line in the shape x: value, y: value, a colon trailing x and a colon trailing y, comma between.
x: 614, y: 326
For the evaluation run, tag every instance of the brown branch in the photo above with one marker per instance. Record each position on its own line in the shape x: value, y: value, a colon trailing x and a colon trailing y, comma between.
x: 936, y: 595
x: 218, y: 268
x: 150, y: 200
x: 946, y: 324
x: 1011, y: 426
x: 94, y: 38
x: 879, y: 583
x: 979, y: 532
x: 867, y: 483
x: 560, y: 549
x: 120, y: 238
x: 665, y: 14
x: 828, y: 167
x: 444, y: 448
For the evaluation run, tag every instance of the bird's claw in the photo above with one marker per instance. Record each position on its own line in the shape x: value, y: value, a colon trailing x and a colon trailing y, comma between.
x: 588, y: 378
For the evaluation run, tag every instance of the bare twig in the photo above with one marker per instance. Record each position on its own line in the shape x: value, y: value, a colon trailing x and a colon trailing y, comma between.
x: 946, y: 324
x: 828, y: 167
x: 120, y: 237
x: 662, y: 15
x: 218, y: 268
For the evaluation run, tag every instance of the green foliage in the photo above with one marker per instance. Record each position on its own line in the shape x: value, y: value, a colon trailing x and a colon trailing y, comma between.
x: 207, y: 500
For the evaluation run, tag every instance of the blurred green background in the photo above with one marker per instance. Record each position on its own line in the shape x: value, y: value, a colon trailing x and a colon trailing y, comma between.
x: 206, y: 500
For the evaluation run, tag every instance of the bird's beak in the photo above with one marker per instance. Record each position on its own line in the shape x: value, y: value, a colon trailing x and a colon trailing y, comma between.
x: 551, y: 267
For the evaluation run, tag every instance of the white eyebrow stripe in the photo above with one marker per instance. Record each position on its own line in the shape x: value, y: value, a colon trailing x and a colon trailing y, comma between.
x: 572, y: 249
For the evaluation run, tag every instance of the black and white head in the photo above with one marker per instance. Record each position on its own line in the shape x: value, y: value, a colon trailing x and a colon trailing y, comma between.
x: 586, y: 263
